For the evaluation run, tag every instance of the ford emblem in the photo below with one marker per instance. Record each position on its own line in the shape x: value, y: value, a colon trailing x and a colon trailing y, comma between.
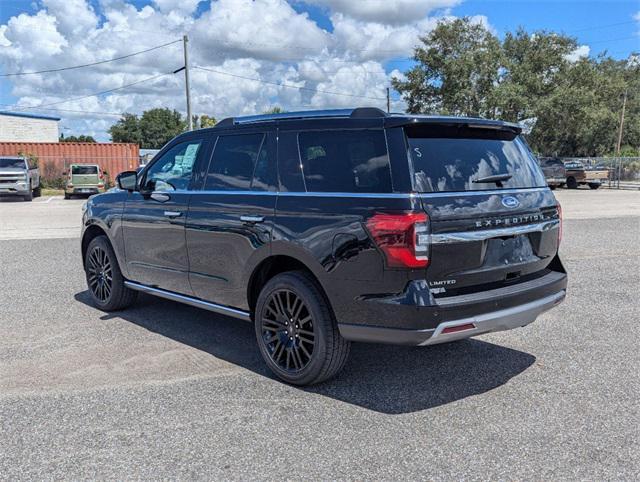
x: 510, y: 202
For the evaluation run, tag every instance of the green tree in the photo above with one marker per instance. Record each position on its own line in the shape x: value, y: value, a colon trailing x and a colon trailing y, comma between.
x: 207, y: 121
x: 127, y: 129
x: 462, y: 69
x: 457, y: 68
x: 81, y: 138
x: 530, y: 68
x: 159, y: 126
x: 276, y: 109
x: 152, y: 130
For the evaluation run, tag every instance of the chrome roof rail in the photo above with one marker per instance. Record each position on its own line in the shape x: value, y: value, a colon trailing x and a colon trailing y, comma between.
x: 360, y: 112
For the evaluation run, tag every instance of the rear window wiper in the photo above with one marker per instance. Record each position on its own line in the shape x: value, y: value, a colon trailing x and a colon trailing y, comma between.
x: 497, y: 178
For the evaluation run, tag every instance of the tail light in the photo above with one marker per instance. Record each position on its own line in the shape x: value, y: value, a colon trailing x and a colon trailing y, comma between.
x: 403, y: 238
x: 560, y: 219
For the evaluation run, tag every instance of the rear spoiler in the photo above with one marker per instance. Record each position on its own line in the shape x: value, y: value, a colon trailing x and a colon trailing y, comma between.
x: 462, y: 122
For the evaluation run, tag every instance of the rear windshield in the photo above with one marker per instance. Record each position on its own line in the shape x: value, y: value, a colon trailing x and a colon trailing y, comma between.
x: 12, y: 163
x: 446, y: 160
x: 84, y: 169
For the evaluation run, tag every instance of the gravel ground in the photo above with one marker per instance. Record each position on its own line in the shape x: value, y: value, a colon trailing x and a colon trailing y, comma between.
x: 168, y: 391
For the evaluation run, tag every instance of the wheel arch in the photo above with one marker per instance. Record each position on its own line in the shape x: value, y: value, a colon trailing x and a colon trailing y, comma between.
x: 90, y: 233
x: 272, y: 266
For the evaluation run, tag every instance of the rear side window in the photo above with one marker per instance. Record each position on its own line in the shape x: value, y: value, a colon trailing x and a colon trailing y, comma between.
x: 233, y: 162
x: 447, y: 160
x: 345, y: 161
x: 84, y: 169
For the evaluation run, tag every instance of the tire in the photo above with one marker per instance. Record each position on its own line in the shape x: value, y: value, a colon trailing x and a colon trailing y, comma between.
x: 67, y: 196
x: 108, y: 293
x: 552, y: 187
x: 593, y: 185
x: 28, y: 197
x: 572, y: 183
x: 285, y: 344
x: 37, y: 192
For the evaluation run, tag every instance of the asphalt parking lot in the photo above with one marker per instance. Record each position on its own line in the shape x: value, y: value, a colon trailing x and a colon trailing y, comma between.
x: 167, y: 391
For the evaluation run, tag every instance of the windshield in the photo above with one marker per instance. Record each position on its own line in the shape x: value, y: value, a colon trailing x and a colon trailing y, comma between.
x: 12, y: 163
x: 84, y: 169
x: 471, y: 159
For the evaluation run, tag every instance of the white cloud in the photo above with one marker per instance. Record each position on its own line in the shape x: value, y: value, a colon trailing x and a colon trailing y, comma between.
x: 392, y: 12
x: 184, y: 7
x: 243, y: 40
x: 265, y: 29
x: 579, y: 53
x: 371, y: 40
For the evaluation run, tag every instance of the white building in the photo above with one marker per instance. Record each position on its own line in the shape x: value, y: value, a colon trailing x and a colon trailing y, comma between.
x: 21, y: 127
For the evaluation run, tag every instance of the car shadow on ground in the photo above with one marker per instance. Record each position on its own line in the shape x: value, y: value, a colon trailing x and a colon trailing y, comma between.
x: 383, y: 378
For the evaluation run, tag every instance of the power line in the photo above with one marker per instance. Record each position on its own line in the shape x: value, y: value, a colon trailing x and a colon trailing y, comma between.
x: 608, y: 40
x: 94, y: 94
x: 598, y: 27
x: 289, y: 86
x: 91, y: 64
x: 117, y: 114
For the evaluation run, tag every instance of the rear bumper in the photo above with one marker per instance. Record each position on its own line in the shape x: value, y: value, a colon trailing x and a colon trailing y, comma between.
x: 416, y: 318
x: 556, y: 181
x: 500, y: 320
x: 84, y: 190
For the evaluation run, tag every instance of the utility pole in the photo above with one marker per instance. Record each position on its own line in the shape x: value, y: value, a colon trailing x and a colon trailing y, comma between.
x: 185, y: 40
x: 624, y: 105
x: 619, y: 145
x: 388, y: 101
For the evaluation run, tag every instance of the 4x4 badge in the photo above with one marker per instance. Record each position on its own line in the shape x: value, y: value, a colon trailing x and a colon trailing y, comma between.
x: 510, y: 202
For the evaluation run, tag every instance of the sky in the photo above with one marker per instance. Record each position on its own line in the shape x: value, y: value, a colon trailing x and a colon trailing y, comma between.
x: 249, y: 55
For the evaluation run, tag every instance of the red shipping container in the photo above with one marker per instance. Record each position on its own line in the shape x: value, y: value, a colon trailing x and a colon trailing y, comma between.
x: 55, y: 157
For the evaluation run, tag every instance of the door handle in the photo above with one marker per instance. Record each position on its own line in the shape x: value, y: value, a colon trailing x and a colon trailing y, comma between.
x: 252, y: 219
x: 172, y: 214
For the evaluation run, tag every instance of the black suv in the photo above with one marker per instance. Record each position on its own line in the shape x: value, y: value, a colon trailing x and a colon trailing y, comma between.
x: 328, y: 227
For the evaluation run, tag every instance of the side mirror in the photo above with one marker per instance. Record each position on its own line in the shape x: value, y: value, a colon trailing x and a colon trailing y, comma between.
x: 127, y: 180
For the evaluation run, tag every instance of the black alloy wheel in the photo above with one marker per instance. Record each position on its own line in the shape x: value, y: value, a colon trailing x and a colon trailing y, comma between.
x: 296, y: 330
x: 104, y: 278
x: 287, y: 331
x: 100, y: 274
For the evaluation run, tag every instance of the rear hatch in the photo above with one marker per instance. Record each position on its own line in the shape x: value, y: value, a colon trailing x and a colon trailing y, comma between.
x: 85, y: 175
x: 493, y: 221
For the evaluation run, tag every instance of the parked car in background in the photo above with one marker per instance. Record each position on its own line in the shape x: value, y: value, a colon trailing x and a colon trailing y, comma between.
x: 554, y: 171
x: 84, y: 179
x: 578, y: 175
x: 19, y: 176
x: 319, y: 229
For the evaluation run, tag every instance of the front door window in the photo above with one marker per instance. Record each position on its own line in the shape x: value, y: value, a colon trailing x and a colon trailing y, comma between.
x: 172, y: 172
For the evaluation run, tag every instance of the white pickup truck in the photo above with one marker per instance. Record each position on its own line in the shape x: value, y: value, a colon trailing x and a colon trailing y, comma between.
x: 19, y: 176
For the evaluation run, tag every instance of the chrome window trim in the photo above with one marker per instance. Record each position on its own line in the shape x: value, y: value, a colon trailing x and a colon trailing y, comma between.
x: 377, y: 195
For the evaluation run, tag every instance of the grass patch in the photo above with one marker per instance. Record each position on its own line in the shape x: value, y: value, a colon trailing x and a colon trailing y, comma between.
x: 52, y: 192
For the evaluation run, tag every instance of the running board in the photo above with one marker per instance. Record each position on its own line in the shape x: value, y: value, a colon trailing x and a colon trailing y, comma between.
x: 187, y: 300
